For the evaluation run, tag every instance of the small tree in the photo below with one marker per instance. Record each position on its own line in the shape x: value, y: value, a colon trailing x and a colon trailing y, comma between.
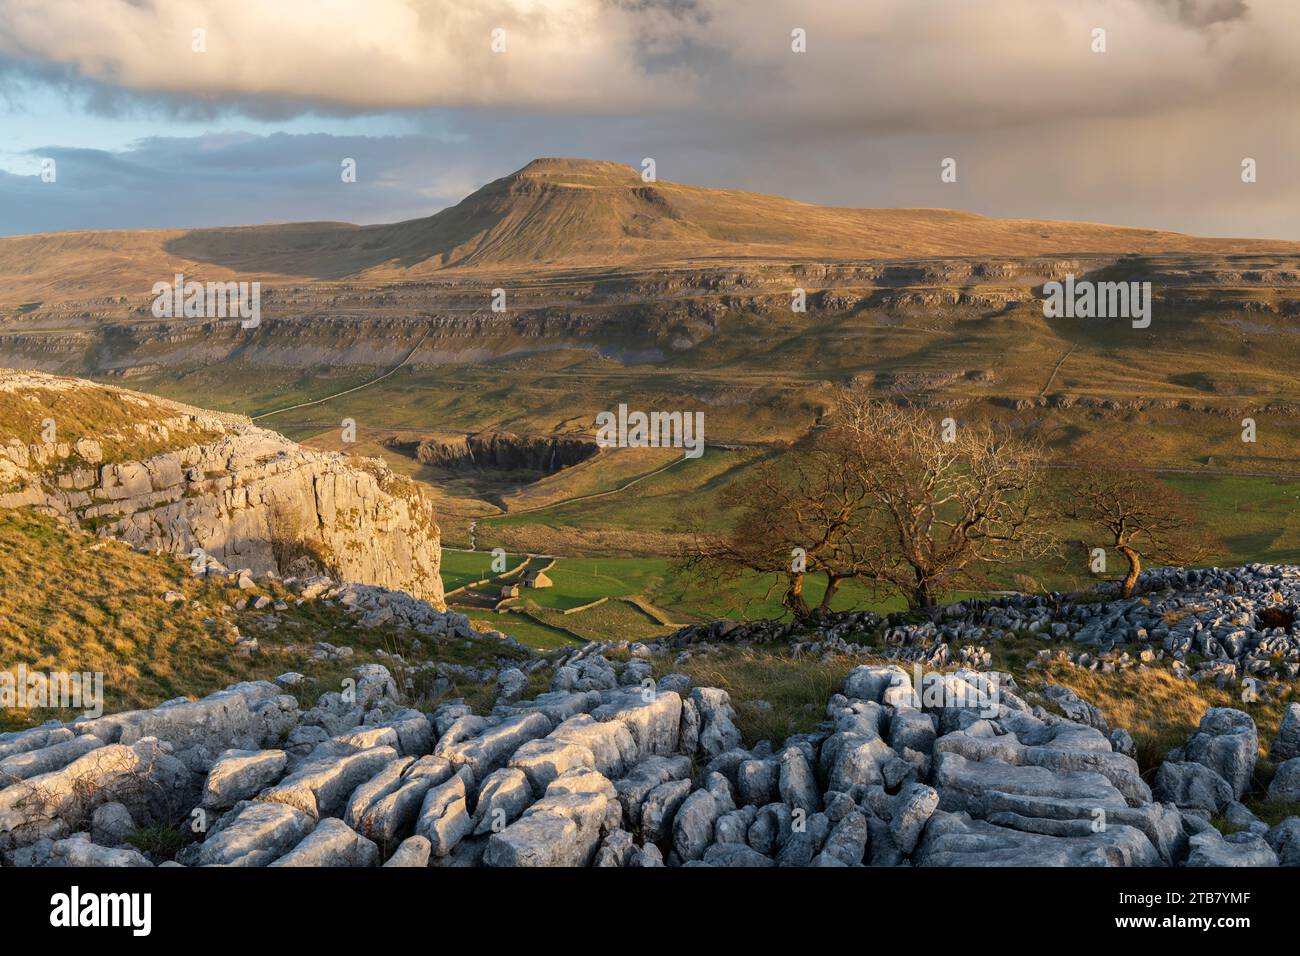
x: 1140, y: 516
x: 879, y: 496
x: 797, y: 515
x: 942, y: 512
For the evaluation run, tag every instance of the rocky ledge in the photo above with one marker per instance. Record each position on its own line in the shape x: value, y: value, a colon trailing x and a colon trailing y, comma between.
x: 613, y: 767
x: 221, y: 490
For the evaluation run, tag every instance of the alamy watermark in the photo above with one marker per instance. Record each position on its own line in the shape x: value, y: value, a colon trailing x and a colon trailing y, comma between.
x: 210, y: 300
x: 936, y: 689
x: 21, y: 689
x: 1085, y: 299
x: 624, y: 429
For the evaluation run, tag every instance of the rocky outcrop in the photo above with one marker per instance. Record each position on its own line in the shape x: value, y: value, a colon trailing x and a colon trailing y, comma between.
x: 605, y: 770
x: 221, y: 491
x: 1238, y: 626
x: 500, y: 450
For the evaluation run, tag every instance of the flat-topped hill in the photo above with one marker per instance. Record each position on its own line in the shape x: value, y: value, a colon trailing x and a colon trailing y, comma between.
x: 557, y: 213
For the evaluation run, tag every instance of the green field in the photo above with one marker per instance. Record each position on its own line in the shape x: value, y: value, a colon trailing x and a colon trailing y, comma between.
x: 464, y: 567
x: 764, y: 377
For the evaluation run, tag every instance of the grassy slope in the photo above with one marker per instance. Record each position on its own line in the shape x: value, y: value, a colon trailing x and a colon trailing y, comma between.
x: 69, y: 602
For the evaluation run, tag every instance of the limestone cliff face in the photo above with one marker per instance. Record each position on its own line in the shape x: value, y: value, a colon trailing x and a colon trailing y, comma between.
x: 244, y: 496
x: 502, y: 450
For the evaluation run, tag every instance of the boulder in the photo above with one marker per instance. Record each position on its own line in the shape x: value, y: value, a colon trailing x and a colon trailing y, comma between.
x: 1286, y: 745
x: 654, y: 723
x: 255, y: 834
x: 111, y: 825
x: 444, y: 818
x: 718, y: 731
x: 564, y: 828
x: 954, y: 839
x: 1192, y: 786
x: 322, y: 785
x: 240, y: 775
x: 870, y: 682
x: 1228, y: 744
x: 1285, y: 785
x: 796, y: 782
x: 332, y: 843
x: 1284, y: 840
x: 735, y: 855
x: 413, y: 852
x: 543, y: 760
x: 1211, y: 848
x: 505, y: 794
x: 634, y: 788
x: 78, y: 851
x: 693, y: 825
x: 912, y: 810
x: 659, y: 810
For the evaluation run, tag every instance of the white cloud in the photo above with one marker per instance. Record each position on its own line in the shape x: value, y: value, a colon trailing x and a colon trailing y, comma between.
x: 577, y: 54
x: 897, y: 63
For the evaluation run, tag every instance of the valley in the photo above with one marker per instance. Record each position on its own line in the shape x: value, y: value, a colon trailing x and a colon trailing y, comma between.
x: 677, y: 297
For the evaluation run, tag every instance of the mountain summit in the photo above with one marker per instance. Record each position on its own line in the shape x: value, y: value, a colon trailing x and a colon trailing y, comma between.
x: 560, y: 213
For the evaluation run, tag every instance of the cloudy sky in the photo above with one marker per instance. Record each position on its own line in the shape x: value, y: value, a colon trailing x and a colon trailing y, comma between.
x: 151, y: 124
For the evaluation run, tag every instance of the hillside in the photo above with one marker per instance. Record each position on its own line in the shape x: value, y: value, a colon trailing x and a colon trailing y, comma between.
x: 864, y: 742
x: 213, y: 488
x: 554, y: 213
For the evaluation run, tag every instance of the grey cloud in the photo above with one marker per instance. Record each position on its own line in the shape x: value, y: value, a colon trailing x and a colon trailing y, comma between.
x: 1150, y: 133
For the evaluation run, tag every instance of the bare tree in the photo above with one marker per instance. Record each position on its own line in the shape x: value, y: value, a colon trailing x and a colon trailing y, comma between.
x: 944, y: 508
x: 1141, y: 516
x: 800, y: 514
x: 879, y: 496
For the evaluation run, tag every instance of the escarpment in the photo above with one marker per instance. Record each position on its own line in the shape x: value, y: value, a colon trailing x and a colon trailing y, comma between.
x: 500, y: 450
x: 209, y: 486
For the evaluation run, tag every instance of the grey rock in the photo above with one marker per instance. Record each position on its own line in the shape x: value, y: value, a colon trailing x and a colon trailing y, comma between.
x: 332, y: 843
x: 634, y: 788
x: 871, y: 682
x: 954, y: 839
x: 1192, y: 786
x: 718, y: 731
x: 807, y: 836
x: 693, y: 825
x: 111, y: 825
x: 1286, y: 745
x: 240, y: 775
x: 413, y: 852
x: 444, y: 817
x: 79, y: 851
x: 660, y: 810
x: 617, y: 850
x: 912, y: 810
x: 564, y: 828
x: 646, y: 857
x: 1286, y: 781
x: 543, y: 760
x: 735, y: 855
x: 1228, y: 744
x: 847, y: 841
x: 257, y: 833
x: 1284, y: 840
x: 504, y: 796
x: 1210, y: 848
x: 771, y: 828
x: 796, y: 783
x: 321, y: 786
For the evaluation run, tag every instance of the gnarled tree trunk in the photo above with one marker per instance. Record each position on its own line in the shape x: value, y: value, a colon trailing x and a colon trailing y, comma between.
x: 1134, y: 570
